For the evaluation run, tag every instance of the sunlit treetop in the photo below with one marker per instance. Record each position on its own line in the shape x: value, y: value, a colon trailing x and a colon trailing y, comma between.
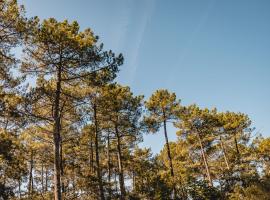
x: 55, y: 45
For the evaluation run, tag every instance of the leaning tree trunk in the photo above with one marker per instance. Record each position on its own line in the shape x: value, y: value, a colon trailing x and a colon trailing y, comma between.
x: 120, y: 165
x: 236, y: 147
x: 224, y: 153
x: 133, y: 180
x: 91, y: 153
x: 115, y: 179
x: 30, y: 181
x: 42, y: 177
x: 109, y: 167
x: 239, y: 166
x: 169, y: 157
x: 57, y: 138
x: 62, y: 167
x: 20, y: 193
x: 100, y: 184
x: 205, y: 160
x: 46, y: 178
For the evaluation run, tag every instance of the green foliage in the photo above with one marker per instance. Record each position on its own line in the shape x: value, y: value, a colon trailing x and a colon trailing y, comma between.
x: 200, y: 190
x: 161, y: 106
x: 252, y: 192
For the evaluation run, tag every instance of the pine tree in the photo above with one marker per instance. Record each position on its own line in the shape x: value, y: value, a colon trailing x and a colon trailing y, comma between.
x: 123, y: 111
x: 162, y: 107
x: 59, y: 50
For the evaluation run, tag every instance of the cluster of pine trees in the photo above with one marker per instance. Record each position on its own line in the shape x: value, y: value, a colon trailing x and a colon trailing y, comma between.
x: 69, y: 131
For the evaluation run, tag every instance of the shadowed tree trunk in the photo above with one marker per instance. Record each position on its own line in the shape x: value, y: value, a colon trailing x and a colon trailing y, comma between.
x: 57, y: 139
x: 101, y: 191
x: 46, y: 179
x: 19, y: 183
x: 169, y: 156
x: 42, y: 177
x: 133, y: 180
x: 62, y: 167
x: 30, y: 181
x: 91, y: 153
x: 236, y: 147
x: 120, y: 165
x: 224, y: 153
x: 205, y: 160
x: 109, y: 166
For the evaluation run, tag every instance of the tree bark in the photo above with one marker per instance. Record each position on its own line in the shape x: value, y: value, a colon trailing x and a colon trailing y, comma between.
x: 57, y: 138
x: 101, y: 191
x: 62, y: 167
x: 224, y: 153
x: 115, y: 179
x: 109, y: 166
x: 91, y: 153
x: 205, y: 160
x: 236, y: 146
x: 42, y: 177
x: 168, y: 149
x: 169, y: 155
x: 30, y: 181
x: 120, y: 165
x: 20, y: 193
x: 46, y: 179
x: 133, y: 180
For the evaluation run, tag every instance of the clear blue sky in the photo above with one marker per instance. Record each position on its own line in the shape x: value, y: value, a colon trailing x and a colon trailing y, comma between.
x: 213, y: 53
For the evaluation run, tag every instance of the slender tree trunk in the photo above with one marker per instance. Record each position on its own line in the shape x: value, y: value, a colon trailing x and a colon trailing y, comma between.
x: 62, y: 167
x: 46, y: 179
x: 205, y: 160
x: 115, y: 180
x: 30, y: 181
x: 120, y: 165
x: 42, y: 177
x: 20, y: 193
x: 91, y: 153
x: 224, y: 153
x: 168, y: 149
x: 57, y: 138
x: 133, y: 180
x: 73, y: 179
x: 6, y: 125
x: 101, y: 191
x: 109, y: 166
x: 236, y: 146
x: 169, y: 155
x: 238, y: 158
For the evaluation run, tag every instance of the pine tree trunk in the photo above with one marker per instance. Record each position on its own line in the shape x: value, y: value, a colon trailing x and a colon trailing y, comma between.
x: 62, y: 167
x: 120, y: 165
x: 236, y: 147
x: 91, y: 154
x: 20, y: 193
x: 115, y: 180
x: 73, y: 180
x: 169, y: 156
x: 224, y: 153
x: 42, y: 177
x: 109, y: 167
x: 57, y: 139
x: 30, y: 181
x: 101, y: 191
x: 46, y: 179
x: 205, y: 160
x: 133, y: 180
x: 238, y: 158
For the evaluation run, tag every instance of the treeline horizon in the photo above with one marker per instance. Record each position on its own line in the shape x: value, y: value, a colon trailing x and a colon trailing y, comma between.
x: 76, y: 132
